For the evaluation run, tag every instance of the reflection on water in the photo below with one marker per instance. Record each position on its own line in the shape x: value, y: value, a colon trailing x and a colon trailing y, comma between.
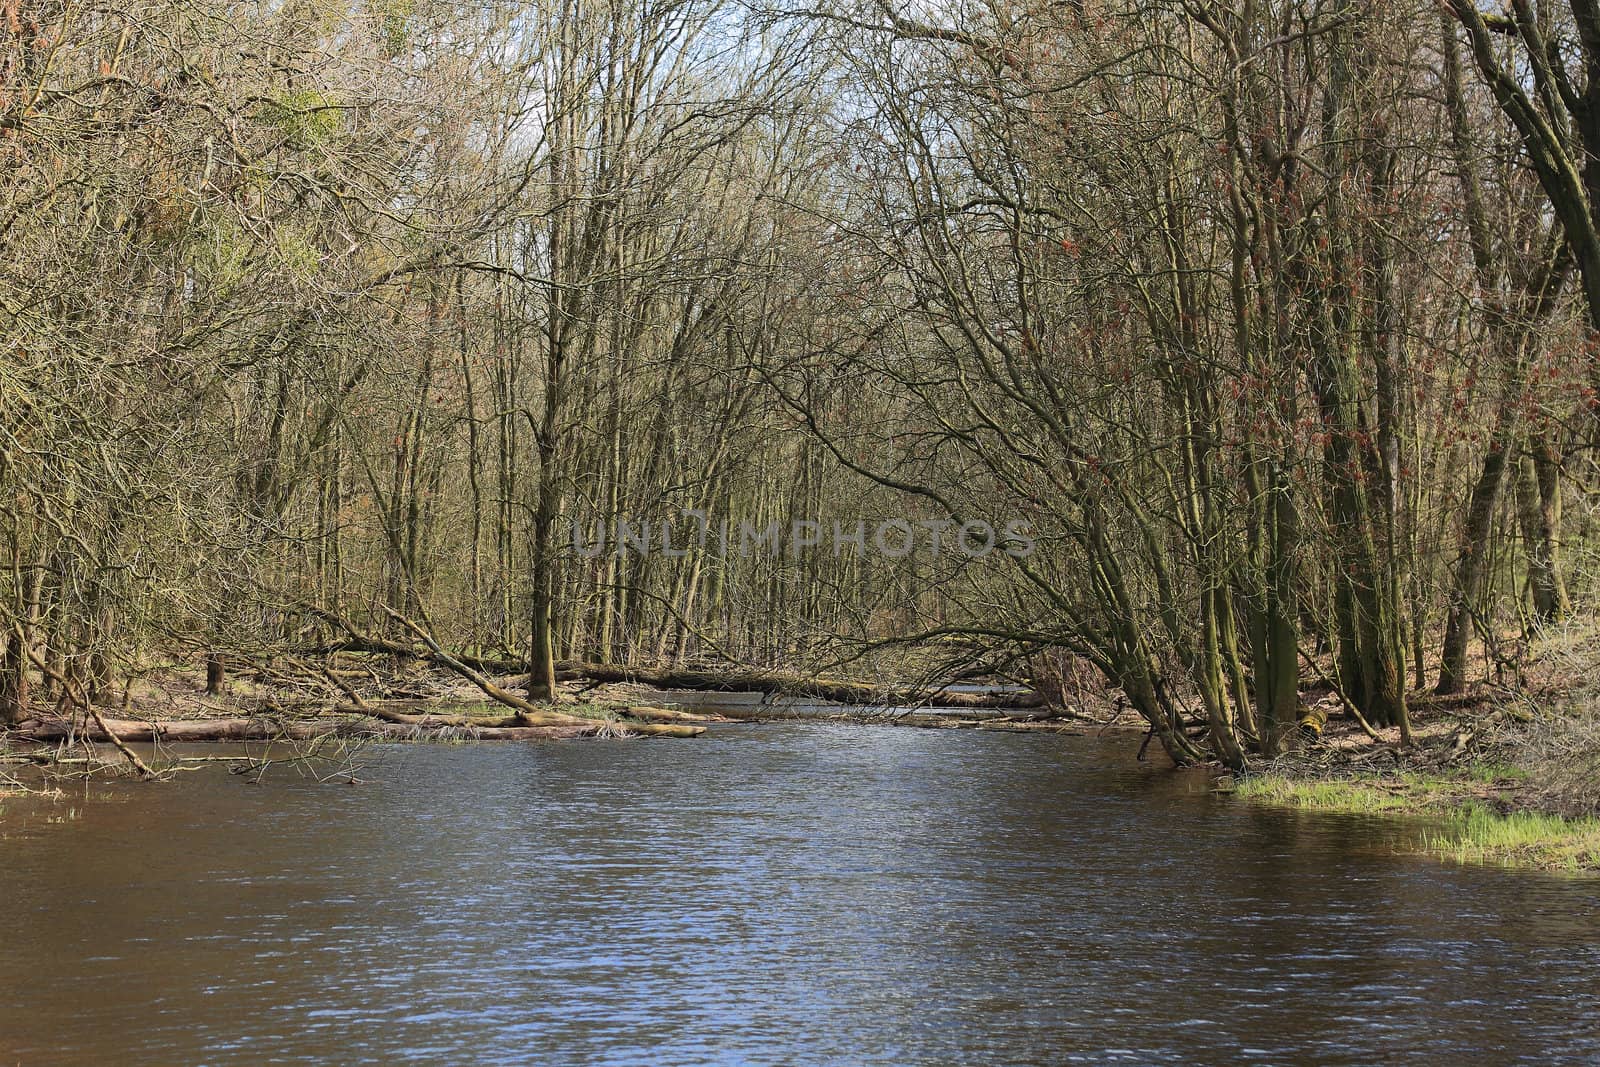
x: 774, y: 894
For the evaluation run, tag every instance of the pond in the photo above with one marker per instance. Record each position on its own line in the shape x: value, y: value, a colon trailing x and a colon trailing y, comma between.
x: 783, y: 893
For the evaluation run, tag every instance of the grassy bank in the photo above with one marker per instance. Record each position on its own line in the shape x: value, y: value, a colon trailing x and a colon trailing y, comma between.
x: 1475, y: 810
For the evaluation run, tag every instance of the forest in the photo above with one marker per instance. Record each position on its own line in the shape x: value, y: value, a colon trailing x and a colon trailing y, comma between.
x: 1253, y: 341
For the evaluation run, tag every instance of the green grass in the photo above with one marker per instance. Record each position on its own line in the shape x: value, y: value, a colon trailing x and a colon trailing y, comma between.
x: 1475, y: 834
x: 1354, y: 795
x: 1490, y: 773
x: 1468, y: 831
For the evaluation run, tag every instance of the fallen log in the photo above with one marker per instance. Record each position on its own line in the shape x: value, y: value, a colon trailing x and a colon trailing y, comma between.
x: 232, y: 729
x: 644, y: 715
x: 527, y: 733
x: 651, y: 714
x: 474, y: 668
x: 260, y: 729
x: 662, y: 729
x: 778, y: 684
x: 402, y: 718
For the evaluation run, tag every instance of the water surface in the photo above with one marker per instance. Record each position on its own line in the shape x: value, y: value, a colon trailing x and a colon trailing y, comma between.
x: 788, y: 893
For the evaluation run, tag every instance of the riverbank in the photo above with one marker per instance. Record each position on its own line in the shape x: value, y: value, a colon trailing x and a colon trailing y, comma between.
x: 1481, y: 813
x: 304, y: 708
x: 408, y: 693
x: 1499, y: 776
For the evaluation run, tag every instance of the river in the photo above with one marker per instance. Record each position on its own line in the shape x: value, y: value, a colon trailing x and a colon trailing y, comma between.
x: 791, y: 893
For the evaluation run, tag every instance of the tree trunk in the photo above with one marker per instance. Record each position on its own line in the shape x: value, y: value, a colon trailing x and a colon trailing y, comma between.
x: 14, y: 693
x: 1468, y: 586
x: 1539, y: 514
x: 216, y: 675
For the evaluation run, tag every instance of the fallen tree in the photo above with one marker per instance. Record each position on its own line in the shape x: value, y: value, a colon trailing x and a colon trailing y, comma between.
x: 792, y: 685
x: 264, y: 728
x: 269, y: 728
x: 729, y: 681
x: 360, y: 718
x: 530, y: 714
x: 638, y: 721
